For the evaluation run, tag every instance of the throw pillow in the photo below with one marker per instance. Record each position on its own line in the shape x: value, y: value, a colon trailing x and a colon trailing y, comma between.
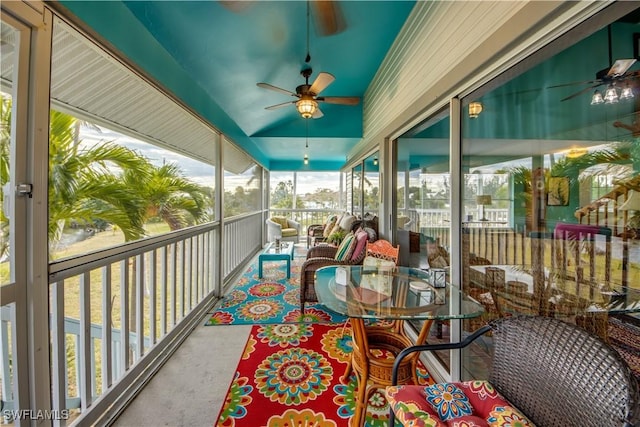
x: 373, y: 236
x: 336, y: 226
x: 361, y: 238
x: 282, y: 221
x: 345, y: 250
x: 331, y: 222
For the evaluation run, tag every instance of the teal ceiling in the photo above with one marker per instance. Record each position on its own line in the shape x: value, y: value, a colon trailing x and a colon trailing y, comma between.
x: 211, y: 54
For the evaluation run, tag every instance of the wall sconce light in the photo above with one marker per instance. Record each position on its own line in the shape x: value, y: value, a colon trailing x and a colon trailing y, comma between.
x: 375, y: 161
x: 475, y: 108
x: 306, y: 159
x: 306, y: 106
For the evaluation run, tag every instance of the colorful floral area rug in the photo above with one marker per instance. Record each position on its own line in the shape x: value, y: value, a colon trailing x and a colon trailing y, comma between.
x: 274, y: 298
x: 289, y: 375
x: 624, y: 337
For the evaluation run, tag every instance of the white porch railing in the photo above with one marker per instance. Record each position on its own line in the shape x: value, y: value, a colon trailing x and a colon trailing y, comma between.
x: 102, y: 302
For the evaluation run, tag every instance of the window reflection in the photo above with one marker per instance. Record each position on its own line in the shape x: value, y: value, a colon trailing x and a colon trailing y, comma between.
x: 371, y: 185
x: 423, y: 205
x: 546, y: 177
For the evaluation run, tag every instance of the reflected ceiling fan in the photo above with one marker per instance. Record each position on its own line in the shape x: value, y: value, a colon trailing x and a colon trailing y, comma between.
x: 617, y: 76
x: 307, y: 94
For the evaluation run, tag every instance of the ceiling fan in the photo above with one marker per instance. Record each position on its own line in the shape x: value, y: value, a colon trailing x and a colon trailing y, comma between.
x: 616, y: 75
x: 308, y: 99
x: 329, y: 18
x: 611, y: 77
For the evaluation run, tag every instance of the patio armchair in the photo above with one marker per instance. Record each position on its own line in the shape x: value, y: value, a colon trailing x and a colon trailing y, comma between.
x: 279, y: 227
x: 324, y: 255
x: 544, y: 370
x: 319, y: 232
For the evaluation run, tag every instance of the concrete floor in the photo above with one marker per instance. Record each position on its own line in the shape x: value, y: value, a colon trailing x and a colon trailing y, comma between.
x: 189, y: 390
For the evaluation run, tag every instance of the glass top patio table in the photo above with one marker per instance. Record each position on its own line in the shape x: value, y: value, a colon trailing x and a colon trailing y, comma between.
x: 391, y: 294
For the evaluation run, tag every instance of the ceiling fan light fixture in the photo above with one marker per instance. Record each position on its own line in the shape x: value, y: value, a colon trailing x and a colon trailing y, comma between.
x: 597, y: 98
x: 306, y: 107
x: 610, y: 95
x: 627, y: 92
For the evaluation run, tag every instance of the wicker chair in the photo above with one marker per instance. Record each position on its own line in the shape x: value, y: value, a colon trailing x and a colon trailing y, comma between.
x: 317, y: 257
x: 554, y: 373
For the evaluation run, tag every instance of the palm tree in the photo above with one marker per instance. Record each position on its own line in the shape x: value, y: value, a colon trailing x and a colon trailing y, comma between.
x: 85, y: 183
x: 5, y: 141
x: 168, y: 195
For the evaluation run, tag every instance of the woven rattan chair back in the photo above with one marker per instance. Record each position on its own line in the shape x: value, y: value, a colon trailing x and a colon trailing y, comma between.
x: 383, y: 249
x: 560, y: 375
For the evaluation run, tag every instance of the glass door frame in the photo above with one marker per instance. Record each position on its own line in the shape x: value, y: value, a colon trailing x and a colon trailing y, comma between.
x: 29, y: 290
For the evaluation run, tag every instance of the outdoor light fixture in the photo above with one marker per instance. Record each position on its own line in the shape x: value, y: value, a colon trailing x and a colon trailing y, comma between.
x: 306, y: 159
x: 483, y: 200
x: 306, y: 106
x: 597, y: 98
x: 375, y: 161
x: 475, y: 108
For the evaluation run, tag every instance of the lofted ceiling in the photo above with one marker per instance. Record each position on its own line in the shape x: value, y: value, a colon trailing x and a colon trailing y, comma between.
x: 225, y: 47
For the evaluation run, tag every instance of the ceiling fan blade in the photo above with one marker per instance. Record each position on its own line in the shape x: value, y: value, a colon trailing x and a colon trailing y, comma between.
x: 344, y: 100
x: 317, y: 114
x: 620, y: 67
x: 275, y: 107
x: 321, y: 82
x: 580, y: 92
x: 236, y: 6
x: 584, y: 82
x: 329, y: 17
x: 276, y: 88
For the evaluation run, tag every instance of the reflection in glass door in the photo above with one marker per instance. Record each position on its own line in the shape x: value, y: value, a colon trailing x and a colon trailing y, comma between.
x: 423, y: 207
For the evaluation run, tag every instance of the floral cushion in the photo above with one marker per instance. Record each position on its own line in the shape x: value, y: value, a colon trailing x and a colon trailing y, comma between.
x: 469, y: 404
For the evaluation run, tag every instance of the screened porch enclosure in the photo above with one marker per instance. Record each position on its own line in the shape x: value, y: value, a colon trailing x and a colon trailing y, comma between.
x: 126, y: 222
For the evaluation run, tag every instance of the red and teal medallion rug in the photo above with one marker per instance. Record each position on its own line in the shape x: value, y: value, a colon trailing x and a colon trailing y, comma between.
x: 289, y: 375
x: 270, y: 299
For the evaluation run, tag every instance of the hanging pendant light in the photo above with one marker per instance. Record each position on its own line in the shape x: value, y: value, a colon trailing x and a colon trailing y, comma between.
x: 306, y: 145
